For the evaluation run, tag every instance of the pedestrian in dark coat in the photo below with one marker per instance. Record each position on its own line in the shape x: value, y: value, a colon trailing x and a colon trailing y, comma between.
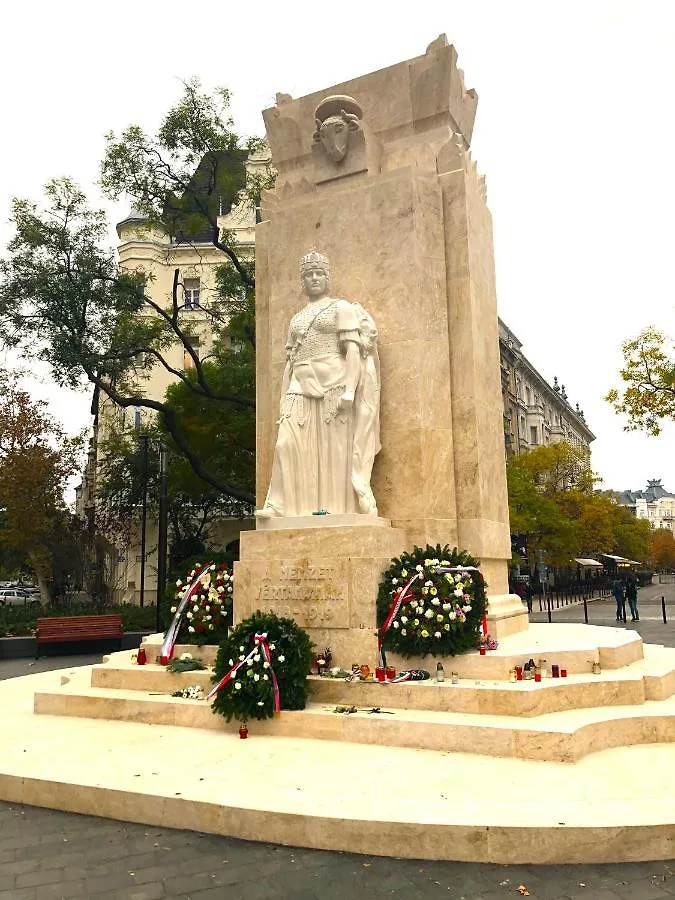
x: 632, y: 597
x: 620, y: 597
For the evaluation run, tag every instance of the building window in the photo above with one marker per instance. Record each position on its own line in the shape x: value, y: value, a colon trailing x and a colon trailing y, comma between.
x: 533, y: 435
x: 188, y: 361
x: 191, y: 290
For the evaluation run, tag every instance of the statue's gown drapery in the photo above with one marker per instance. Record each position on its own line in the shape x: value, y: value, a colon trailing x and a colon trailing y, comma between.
x: 324, y: 454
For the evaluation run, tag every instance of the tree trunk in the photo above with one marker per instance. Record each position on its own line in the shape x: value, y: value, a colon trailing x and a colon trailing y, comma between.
x: 43, y: 584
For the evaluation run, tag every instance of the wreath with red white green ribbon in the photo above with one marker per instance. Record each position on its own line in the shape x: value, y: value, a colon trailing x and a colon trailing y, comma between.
x: 431, y: 601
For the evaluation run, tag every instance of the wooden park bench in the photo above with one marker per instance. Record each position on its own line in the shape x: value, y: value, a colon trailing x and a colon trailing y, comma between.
x: 63, y: 629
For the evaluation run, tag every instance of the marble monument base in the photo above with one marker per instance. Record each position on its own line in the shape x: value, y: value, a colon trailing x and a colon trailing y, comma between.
x: 324, y: 572
x: 325, y: 575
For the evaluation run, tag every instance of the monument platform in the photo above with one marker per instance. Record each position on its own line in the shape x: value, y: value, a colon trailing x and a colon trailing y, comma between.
x: 506, y: 772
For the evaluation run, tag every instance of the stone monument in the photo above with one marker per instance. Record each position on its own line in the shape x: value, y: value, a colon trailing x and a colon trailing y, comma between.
x: 376, y: 174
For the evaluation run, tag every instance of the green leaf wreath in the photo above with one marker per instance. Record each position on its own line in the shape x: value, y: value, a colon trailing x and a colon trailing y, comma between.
x: 442, y: 612
x: 249, y: 695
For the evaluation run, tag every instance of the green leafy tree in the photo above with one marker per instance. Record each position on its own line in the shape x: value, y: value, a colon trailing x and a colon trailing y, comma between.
x: 193, y: 507
x: 553, y: 504
x: 537, y: 516
x: 647, y: 393
x: 632, y: 537
x: 65, y: 301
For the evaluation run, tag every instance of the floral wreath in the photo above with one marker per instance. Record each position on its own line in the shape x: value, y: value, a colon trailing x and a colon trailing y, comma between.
x: 441, y: 612
x: 262, y: 666
x: 209, y: 609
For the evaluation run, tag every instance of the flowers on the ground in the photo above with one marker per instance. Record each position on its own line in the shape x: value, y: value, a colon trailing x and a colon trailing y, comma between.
x: 192, y: 692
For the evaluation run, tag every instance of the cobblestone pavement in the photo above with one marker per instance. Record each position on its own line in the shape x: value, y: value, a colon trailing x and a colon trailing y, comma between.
x: 49, y: 855
x: 52, y: 855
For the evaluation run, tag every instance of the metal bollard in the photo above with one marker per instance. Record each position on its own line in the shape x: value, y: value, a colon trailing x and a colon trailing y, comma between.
x: 663, y: 610
x: 549, y: 608
x: 585, y: 611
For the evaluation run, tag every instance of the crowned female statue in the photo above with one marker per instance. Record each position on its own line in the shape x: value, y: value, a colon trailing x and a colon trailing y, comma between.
x: 329, y: 425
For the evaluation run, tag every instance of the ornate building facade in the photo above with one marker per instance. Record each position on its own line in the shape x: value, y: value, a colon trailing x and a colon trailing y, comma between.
x: 655, y: 504
x: 535, y: 412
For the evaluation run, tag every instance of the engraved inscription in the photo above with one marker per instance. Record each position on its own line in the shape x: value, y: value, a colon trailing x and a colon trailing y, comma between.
x: 315, y: 596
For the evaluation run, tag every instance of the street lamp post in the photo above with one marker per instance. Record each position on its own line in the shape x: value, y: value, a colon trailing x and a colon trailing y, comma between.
x: 162, y: 529
x: 144, y: 511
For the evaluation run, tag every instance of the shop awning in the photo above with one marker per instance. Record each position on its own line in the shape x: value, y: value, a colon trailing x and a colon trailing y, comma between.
x: 621, y: 560
x: 589, y: 563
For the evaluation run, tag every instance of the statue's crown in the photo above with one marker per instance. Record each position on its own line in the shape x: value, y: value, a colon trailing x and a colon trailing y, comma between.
x: 313, y: 260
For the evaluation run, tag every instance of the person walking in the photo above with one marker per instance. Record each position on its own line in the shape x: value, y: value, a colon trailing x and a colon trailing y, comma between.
x: 619, y: 596
x: 632, y: 597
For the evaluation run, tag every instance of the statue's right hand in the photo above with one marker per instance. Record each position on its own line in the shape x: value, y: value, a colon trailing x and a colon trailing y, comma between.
x: 347, y: 400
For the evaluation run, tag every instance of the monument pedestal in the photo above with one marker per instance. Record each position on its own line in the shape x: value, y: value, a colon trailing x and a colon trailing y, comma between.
x: 325, y: 576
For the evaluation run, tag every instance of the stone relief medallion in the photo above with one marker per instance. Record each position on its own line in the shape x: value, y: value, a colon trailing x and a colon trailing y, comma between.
x: 336, y: 117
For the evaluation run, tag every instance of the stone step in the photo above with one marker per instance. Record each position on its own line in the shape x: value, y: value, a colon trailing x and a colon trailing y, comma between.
x: 561, y: 737
x: 650, y: 678
x: 614, y: 805
x: 572, y: 646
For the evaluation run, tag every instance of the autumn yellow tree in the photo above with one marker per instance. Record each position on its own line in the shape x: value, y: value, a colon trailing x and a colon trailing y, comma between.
x: 662, y: 549
x: 36, y: 460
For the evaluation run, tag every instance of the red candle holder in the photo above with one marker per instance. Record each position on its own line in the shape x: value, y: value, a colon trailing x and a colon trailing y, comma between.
x: 482, y: 651
x: 563, y: 673
x: 142, y: 657
x: 519, y: 673
x: 537, y: 676
x: 243, y: 732
x: 555, y: 671
x: 390, y: 673
x: 380, y: 673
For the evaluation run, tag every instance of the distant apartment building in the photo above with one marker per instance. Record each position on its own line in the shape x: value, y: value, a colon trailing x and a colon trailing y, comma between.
x: 535, y: 412
x: 655, y: 504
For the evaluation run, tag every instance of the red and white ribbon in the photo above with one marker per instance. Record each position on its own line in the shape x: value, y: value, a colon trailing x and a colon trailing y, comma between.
x: 171, y: 635
x: 260, y: 645
x: 393, y: 612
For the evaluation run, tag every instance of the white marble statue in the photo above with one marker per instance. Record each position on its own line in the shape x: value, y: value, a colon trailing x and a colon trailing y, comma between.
x: 329, y: 426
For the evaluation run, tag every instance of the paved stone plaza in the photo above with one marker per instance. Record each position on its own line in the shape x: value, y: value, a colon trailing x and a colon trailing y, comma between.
x: 48, y: 854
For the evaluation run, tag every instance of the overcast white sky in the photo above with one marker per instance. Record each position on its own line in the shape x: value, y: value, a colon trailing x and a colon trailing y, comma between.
x: 574, y: 132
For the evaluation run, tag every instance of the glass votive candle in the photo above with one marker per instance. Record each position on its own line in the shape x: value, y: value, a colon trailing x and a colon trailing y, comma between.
x: 390, y: 672
x: 563, y: 673
x: 537, y: 676
x: 555, y: 671
x: 519, y: 673
x: 482, y: 651
x: 379, y: 673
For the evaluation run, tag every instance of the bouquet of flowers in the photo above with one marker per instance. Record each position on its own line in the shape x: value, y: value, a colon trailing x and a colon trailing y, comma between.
x: 192, y: 692
x: 440, y: 612
x: 209, y: 610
